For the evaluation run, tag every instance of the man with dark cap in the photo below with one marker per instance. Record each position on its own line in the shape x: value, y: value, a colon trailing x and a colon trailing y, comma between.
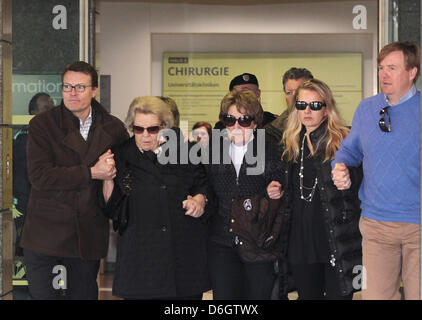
x: 247, y: 82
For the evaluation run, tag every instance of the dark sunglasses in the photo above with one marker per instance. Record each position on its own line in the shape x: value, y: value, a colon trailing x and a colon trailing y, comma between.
x: 150, y: 130
x: 314, y: 105
x: 385, y: 121
x: 244, y: 121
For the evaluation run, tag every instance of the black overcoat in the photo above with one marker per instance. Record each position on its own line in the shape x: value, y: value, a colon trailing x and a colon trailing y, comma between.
x: 162, y: 252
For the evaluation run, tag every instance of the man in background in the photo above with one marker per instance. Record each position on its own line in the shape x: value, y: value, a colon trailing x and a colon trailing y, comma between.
x: 292, y: 79
x: 247, y: 82
x: 21, y: 186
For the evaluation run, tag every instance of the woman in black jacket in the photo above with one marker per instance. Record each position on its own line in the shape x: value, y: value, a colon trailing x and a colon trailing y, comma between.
x: 320, y: 236
x: 245, y: 225
x: 162, y: 248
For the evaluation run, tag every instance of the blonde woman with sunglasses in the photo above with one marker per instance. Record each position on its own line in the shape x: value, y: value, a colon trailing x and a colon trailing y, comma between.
x: 320, y: 235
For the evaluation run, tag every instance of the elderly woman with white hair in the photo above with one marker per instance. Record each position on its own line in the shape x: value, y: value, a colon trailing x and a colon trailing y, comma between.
x: 162, y: 248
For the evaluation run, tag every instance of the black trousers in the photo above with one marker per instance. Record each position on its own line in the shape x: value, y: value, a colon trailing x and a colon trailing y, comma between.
x: 59, y: 278
x: 313, y: 280
x: 232, y: 279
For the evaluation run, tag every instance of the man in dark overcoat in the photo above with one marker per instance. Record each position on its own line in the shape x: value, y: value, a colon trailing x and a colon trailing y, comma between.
x: 65, y: 233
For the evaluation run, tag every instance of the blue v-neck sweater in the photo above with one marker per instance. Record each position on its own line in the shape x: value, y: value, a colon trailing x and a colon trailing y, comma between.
x: 390, y: 188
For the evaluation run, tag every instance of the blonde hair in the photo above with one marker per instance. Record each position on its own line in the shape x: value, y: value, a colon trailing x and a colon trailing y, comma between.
x: 149, y: 105
x: 330, y: 139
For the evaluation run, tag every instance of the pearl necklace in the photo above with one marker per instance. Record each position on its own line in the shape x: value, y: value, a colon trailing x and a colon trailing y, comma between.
x: 309, y: 197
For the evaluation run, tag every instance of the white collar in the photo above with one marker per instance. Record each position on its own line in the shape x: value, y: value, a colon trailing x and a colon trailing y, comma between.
x: 89, y: 116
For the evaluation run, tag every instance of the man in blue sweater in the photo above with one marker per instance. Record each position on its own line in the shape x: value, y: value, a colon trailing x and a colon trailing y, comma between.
x: 385, y: 139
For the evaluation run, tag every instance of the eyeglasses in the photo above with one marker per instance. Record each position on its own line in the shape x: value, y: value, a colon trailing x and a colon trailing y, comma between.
x: 150, y: 130
x: 78, y: 88
x: 314, y: 105
x: 244, y: 121
x: 385, y: 122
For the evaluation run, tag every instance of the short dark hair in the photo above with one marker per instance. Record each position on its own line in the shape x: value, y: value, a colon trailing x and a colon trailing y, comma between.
x: 33, y: 105
x: 296, y: 73
x: 82, y: 66
x: 410, y: 51
x: 246, y: 102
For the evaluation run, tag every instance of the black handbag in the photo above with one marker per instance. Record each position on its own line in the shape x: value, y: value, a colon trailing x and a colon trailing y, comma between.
x: 121, y: 216
x: 256, y: 221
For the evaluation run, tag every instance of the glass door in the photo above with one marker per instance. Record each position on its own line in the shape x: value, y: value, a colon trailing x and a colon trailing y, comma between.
x: 47, y: 35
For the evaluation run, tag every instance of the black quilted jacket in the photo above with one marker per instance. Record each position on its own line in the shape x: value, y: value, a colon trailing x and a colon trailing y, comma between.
x: 341, y: 211
x: 227, y: 186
